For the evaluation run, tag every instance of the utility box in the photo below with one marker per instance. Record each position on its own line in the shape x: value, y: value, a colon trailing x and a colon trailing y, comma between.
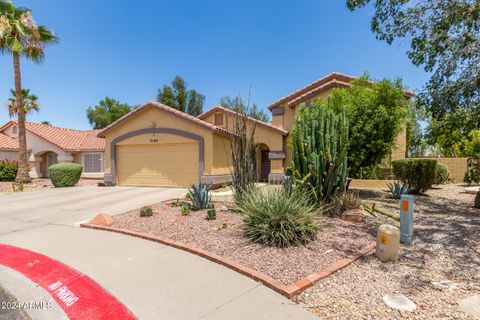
x: 388, y: 243
x: 406, y: 218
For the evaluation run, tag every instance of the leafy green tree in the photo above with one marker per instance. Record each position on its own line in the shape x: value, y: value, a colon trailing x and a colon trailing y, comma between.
x: 30, y: 103
x: 251, y: 111
x: 106, y: 112
x: 376, y: 112
x: 179, y: 97
x: 45, y: 122
x: 20, y: 36
x: 445, y: 39
x: 416, y: 143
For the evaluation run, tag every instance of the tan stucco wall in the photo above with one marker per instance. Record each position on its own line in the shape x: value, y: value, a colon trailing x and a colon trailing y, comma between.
x: 222, y: 163
x: 8, y: 155
x: 400, y: 149
x: 162, y: 119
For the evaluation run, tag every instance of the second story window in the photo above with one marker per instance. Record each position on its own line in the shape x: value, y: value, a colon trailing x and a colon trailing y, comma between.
x: 15, y: 130
x: 219, y: 119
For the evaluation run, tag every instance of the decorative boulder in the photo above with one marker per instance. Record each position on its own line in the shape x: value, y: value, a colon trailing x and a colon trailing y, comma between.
x: 102, y: 219
x: 353, y: 215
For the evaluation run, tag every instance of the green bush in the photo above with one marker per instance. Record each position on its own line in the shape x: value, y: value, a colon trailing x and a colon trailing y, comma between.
x: 383, y: 173
x: 211, y: 212
x: 473, y: 171
x: 146, y: 212
x: 442, y: 174
x: 8, y: 170
x: 419, y: 174
x: 277, y: 218
x: 65, y: 174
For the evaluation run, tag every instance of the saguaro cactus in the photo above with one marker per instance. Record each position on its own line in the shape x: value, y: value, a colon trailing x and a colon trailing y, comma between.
x: 319, y: 141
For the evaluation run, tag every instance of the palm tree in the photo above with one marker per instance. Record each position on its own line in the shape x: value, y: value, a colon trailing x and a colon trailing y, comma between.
x: 21, y: 37
x: 30, y: 103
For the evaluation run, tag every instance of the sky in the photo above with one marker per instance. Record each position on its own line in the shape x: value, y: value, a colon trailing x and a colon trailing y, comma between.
x: 264, y: 49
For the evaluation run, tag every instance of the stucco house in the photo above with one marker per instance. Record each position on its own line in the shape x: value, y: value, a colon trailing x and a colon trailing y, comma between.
x: 155, y: 145
x: 48, y: 145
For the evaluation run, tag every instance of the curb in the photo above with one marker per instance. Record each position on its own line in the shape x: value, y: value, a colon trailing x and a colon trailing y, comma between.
x: 288, y: 291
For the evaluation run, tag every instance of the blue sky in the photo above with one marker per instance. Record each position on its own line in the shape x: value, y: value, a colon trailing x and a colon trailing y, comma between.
x: 221, y: 47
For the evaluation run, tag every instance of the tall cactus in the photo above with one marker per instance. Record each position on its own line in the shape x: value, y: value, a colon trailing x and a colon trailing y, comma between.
x: 319, y: 142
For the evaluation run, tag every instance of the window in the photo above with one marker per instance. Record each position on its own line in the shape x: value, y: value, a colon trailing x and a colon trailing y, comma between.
x: 15, y: 130
x: 93, y: 162
x: 219, y: 119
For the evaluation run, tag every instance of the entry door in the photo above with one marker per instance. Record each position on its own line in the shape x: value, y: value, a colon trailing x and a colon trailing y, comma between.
x: 51, y: 160
x: 264, y: 166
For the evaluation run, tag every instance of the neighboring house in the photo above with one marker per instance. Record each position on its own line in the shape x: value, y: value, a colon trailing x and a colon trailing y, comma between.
x: 156, y: 145
x: 48, y: 145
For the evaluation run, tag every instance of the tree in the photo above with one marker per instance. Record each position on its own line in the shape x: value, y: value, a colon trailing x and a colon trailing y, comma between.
x: 106, y: 112
x: 22, y: 37
x: 30, y: 103
x: 444, y: 39
x: 253, y: 111
x: 179, y: 97
x: 45, y: 122
x: 376, y: 112
x: 416, y: 143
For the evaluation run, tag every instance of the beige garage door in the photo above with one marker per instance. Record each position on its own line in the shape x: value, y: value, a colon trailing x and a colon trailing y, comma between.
x: 163, y: 165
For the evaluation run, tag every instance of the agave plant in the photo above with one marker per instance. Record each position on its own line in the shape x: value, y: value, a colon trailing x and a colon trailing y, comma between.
x: 397, y: 189
x: 199, y: 194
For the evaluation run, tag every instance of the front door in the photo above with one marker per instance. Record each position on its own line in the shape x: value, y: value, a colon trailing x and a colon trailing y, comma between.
x: 264, y: 166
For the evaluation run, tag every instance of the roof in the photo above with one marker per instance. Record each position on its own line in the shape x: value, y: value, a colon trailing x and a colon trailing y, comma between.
x: 160, y: 106
x: 262, y: 123
x: 7, y: 143
x: 334, y: 79
x: 66, y: 139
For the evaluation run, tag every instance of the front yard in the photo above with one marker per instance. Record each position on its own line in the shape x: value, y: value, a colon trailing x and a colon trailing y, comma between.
x: 446, y: 247
x: 6, y: 188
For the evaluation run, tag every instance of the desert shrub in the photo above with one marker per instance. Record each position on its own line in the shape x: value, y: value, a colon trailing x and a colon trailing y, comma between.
x: 277, y: 218
x: 343, y: 201
x: 8, y: 170
x: 419, y: 174
x: 397, y: 189
x: 199, y: 195
x: 211, y: 212
x: 185, y: 209
x: 442, y: 174
x: 65, y: 174
x: 146, y: 212
x: 383, y: 173
x: 473, y: 171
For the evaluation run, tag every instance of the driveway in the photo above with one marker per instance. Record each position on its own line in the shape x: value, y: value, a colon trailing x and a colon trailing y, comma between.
x: 154, y: 281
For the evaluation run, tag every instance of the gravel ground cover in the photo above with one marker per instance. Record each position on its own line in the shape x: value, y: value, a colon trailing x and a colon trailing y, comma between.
x: 224, y: 237
x: 39, y: 184
x: 446, y: 247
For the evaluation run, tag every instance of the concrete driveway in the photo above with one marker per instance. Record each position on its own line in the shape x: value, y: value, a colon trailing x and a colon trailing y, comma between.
x: 154, y: 281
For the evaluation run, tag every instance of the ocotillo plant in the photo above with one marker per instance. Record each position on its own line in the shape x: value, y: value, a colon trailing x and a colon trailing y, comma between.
x: 319, y: 141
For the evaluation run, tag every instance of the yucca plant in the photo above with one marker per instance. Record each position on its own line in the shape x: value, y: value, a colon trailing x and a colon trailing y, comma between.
x: 397, y: 189
x: 199, y: 194
x: 276, y: 218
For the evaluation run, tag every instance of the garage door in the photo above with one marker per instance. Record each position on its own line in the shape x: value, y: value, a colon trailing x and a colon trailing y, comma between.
x: 163, y: 165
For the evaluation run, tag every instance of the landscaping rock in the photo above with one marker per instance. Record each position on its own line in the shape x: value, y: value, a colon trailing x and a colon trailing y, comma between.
x: 472, y: 190
x: 223, y: 208
x: 399, y: 302
x: 471, y: 305
x: 353, y: 215
x: 102, y: 219
x: 445, y: 285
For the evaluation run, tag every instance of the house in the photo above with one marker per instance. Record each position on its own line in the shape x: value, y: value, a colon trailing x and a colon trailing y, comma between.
x: 48, y: 145
x: 155, y: 145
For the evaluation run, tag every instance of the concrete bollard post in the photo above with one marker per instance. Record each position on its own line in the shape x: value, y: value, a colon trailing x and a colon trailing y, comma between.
x: 388, y: 243
x: 406, y: 218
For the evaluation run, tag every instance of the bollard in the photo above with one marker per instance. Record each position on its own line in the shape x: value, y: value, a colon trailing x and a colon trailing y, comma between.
x: 406, y: 218
x: 388, y: 243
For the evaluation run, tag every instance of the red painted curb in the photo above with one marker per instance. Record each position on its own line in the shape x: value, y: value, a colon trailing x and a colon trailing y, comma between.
x: 78, y: 295
x: 287, y: 290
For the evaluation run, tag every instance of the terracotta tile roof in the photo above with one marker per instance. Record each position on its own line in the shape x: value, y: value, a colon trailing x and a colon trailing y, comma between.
x: 7, y: 143
x: 66, y: 139
x: 160, y: 106
x: 264, y: 124
x: 337, y: 79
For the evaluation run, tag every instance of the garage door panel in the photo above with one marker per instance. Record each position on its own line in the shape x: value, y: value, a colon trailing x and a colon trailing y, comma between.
x: 164, y: 165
